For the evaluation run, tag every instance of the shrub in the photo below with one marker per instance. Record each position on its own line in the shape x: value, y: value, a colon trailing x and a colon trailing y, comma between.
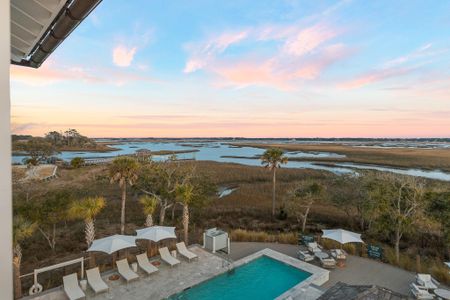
x: 241, y: 235
x: 76, y: 162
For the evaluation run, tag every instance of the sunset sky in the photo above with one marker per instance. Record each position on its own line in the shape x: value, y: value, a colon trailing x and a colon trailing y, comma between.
x: 245, y: 68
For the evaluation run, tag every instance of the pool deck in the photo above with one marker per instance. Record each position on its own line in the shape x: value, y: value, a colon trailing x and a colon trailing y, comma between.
x: 358, y: 270
x: 168, y: 281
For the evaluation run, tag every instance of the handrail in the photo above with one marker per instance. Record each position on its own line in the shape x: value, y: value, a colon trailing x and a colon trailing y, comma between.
x: 36, y: 288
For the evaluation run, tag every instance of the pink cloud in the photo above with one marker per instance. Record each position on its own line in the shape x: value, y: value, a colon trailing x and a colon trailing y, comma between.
x: 308, y: 39
x: 280, y: 71
x: 123, y: 56
x: 203, y: 53
x: 53, y: 73
x: 397, y: 67
x: 375, y: 76
x: 302, y: 53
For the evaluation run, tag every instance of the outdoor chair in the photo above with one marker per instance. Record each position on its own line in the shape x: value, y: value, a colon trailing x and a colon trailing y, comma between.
x: 420, y: 293
x: 328, y: 263
x: 145, y: 264
x: 181, y: 247
x: 426, y: 281
x: 125, y: 271
x: 166, y: 257
x: 314, y: 247
x: 72, y: 288
x: 305, y: 256
x: 95, y: 281
x: 339, y: 254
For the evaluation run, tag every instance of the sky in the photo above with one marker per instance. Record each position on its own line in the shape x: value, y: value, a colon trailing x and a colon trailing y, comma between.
x: 245, y: 69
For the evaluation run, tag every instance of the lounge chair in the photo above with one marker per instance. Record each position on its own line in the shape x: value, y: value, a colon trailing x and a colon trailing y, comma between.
x: 125, y: 271
x: 420, y: 292
x: 72, y: 288
x: 314, y: 247
x: 95, y: 281
x: 165, y: 256
x: 144, y: 264
x: 328, y: 263
x: 305, y: 256
x: 426, y: 281
x: 181, y: 247
x: 338, y: 254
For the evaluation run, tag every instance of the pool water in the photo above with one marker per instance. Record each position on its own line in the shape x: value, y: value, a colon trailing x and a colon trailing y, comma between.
x: 262, y: 278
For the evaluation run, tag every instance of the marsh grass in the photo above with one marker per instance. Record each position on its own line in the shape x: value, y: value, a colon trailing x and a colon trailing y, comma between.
x: 245, y: 213
x: 242, y: 235
x: 395, y: 157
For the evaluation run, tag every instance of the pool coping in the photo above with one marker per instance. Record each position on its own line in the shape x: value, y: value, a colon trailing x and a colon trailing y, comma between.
x: 318, y: 275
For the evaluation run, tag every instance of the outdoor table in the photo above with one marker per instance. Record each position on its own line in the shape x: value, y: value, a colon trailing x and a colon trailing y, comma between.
x: 83, y: 284
x: 321, y: 255
x: 442, y: 293
x: 340, y: 263
x: 134, y: 266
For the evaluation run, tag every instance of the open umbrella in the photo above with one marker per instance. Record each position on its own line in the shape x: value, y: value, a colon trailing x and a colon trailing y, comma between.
x: 113, y: 243
x: 342, y: 236
x: 448, y: 264
x: 156, y: 233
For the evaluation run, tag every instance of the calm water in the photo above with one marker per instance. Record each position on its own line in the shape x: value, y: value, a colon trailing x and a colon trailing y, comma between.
x: 264, y: 278
x: 220, y: 152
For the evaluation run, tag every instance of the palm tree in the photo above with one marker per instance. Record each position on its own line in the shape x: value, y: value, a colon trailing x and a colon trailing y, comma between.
x: 22, y: 229
x: 185, y: 194
x: 123, y: 170
x: 272, y: 159
x: 87, y: 209
x: 149, y: 204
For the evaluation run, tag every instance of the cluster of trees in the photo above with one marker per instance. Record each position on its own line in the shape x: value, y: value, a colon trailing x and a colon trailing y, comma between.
x: 162, y: 185
x: 384, y: 204
x: 69, y: 138
x: 378, y: 204
x: 40, y: 149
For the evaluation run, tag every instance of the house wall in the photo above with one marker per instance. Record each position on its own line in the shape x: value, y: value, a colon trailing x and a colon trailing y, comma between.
x: 6, y: 285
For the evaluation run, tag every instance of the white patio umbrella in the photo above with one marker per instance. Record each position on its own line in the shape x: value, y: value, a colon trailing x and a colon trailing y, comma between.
x: 448, y: 264
x: 113, y: 243
x: 156, y: 233
x: 342, y: 236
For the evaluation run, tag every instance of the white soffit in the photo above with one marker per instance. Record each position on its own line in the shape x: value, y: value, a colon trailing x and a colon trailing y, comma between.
x: 30, y: 20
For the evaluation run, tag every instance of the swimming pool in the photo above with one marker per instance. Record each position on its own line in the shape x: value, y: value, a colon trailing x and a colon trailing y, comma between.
x: 262, y: 278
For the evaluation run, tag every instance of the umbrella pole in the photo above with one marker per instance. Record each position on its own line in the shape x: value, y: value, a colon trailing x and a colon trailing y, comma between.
x: 114, y: 260
x: 149, y: 248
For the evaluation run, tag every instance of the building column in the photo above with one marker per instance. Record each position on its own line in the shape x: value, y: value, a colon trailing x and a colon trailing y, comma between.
x: 6, y: 281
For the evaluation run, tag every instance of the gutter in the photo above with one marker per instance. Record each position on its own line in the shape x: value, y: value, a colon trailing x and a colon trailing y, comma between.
x: 70, y: 16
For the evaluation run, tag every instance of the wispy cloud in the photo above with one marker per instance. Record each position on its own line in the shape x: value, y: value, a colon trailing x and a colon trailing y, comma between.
x: 302, y: 53
x: 396, y: 67
x: 53, y: 73
x: 203, y: 53
x: 123, y: 56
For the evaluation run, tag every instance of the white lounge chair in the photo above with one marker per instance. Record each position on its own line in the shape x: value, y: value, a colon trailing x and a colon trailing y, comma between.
x: 181, y: 247
x: 328, y: 263
x: 95, y: 281
x: 338, y: 254
x: 305, y: 256
x: 72, y: 288
x: 165, y: 256
x: 420, y: 293
x: 314, y: 247
x: 125, y: 271
x: 426, y: 281
x: 144, y: 263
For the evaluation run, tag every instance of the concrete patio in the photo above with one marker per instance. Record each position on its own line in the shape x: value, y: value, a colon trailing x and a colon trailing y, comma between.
x: 358, y: 270
x: 168, y: 281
